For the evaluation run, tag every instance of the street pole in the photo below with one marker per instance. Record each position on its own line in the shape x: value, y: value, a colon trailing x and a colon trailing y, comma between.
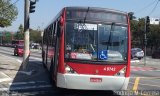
x: 26, y: 35
x: 1, y: 37
x: 1, y: 40
x: 145, y: 41
x: 145, y: 49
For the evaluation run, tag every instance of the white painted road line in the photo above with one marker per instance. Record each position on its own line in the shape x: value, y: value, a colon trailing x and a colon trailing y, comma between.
x: 31, y: 59
x: 4, y: 89
x: 20, y: 61
x: 40, y: 59
x: 31, y: 82
x: 5, y: 75
x: 24, y: 88
x: 6, y: 56
x: 136, y: 68
x: 5, y: 79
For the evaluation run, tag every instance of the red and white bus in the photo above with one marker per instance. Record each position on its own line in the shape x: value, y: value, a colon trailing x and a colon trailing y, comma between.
x: 88, y: 48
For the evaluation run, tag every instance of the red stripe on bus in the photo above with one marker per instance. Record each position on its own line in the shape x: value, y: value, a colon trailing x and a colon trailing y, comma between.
x: 96, y: 69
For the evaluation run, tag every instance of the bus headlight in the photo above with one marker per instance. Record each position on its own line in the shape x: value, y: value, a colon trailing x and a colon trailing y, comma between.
x: 69, y: 70
x: 121, y: 72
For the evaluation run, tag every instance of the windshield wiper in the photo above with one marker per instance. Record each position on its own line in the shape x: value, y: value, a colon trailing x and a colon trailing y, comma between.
x: 86, y: 15
x: 82, y: 24
x: 112, y: 29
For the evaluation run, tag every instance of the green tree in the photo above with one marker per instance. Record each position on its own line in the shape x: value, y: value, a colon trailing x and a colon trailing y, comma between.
x: 8, y: 13
x: 35, y: 36
x: 137, y: 34
x: 19, y: 35
x: 137, y: 31
x: 6, y: 37
x: 21, y: 28
x: 134, y: 30
x: 154, y: 37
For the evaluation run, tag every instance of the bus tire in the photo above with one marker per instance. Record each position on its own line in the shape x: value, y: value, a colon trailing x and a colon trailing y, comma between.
x: 51, y: 73
x: 53, y: 82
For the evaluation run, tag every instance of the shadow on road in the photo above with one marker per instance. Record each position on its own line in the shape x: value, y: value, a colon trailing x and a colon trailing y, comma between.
x: 86, y: 93
x: 34, y: 81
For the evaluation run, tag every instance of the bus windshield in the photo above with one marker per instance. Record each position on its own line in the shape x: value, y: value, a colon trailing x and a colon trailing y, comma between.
x: 96, y: 42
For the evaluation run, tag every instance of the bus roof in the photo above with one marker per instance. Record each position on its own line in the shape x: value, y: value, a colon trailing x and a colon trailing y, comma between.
x: 85, y: 8
x: 96, y: 9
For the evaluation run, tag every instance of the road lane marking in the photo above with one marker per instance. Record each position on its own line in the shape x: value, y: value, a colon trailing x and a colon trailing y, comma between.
x: 135, y: 87
x: 35, y: 58
x: 5, y: 79
x: 149, y: 85
x: 145, y: 84
x: 5, y: 75
x: 30, y: 82
x: 30, y: 59
x: 25, y: 87
x: 20, y: 61
x: 148, y: 77
x: 141, y: 68
x: 4, y: 89
x: 6, y: 56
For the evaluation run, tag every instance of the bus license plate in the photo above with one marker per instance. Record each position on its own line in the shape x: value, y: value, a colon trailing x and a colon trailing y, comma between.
x: 95, y: 79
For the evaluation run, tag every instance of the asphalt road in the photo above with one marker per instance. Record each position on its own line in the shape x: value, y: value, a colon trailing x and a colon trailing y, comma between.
x: 142, y: 78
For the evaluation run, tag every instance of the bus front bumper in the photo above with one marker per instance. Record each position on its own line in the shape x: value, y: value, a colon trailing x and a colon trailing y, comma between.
x: 91, y: 82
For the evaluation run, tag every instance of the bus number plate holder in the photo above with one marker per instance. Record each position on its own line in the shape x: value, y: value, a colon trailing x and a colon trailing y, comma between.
x: 95, y: 79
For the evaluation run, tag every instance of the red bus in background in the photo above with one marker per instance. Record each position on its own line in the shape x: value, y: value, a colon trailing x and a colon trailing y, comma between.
x: 17, y: 42
x: 88, y: 48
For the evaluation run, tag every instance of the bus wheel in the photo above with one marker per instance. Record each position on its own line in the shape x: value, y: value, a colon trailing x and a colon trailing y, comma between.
x: 51, y: 74
x: 52, y: 81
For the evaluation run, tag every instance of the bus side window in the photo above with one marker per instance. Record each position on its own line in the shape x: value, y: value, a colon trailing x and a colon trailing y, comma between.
x: 59, y: 29
x: 44, y: 37
x: 49, y: 35
x: 54, y: 33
